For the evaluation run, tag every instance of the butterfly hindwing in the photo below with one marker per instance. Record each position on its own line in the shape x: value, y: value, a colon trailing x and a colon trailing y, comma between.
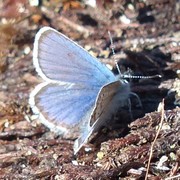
x: 63, y: 107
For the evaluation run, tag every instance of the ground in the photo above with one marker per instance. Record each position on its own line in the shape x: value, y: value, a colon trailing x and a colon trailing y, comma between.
x: 146, y: 38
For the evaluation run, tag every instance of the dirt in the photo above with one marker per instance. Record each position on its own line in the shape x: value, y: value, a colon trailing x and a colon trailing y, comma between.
x: 146, y: 38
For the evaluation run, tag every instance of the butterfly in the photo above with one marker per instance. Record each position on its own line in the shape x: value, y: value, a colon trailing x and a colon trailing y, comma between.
x: 79, y: 93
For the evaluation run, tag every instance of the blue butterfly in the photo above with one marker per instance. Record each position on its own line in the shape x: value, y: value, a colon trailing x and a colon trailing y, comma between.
x: 79, y: 93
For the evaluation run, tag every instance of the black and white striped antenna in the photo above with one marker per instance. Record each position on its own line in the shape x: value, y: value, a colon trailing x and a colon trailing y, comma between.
x: 125, y: 76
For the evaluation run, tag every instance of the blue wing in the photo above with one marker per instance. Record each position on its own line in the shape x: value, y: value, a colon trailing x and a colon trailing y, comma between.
x: 57, y: 58
x: 65, y: 109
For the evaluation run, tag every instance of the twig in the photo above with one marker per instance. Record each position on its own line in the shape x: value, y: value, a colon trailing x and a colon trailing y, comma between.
x: 173, y: 177
x: 75, y: 26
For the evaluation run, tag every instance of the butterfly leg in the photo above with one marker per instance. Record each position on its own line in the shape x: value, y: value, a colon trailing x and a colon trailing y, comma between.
x: 138, y: 99
x: 130, y: 109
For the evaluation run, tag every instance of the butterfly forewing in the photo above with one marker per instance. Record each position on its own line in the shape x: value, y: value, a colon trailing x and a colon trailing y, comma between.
x: 101, y: 109
x: 57, y: 58
x: 103, y: 100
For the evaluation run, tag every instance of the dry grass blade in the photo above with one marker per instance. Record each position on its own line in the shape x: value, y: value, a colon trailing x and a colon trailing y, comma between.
x: 155, y: 139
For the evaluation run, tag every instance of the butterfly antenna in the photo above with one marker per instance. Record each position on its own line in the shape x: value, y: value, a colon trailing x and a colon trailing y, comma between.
x: 126, y: 76
x: 113, y: 52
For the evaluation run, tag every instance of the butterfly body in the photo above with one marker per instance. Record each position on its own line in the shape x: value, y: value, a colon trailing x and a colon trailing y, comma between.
x: 79, y: 93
